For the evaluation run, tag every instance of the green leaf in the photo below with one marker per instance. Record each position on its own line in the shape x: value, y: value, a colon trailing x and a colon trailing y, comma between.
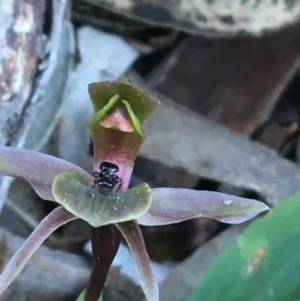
x: 263, y: 265
x: 100, y: 209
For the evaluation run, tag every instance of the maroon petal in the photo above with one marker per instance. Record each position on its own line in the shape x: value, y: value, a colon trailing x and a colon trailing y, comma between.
x: 133, y: 235
x: 173, y: 205
x: 36, y: 168
x: 49, y: 224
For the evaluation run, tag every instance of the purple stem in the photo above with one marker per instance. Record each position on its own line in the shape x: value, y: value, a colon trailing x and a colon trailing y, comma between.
x: 105, y: 244
x: 134, y: 237
x: 49, y: 224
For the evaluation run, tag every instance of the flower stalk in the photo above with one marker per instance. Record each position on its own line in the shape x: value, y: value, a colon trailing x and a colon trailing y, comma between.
x: 105, y: 244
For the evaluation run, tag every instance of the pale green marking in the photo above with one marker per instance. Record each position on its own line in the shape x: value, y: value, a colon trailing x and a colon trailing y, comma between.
x: 101, y: 113
x: 81, y: 297
x: 135, y: 121
x: 125, y: 80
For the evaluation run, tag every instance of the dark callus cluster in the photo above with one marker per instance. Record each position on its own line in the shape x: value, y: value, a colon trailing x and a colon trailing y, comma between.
x: 107, y: 177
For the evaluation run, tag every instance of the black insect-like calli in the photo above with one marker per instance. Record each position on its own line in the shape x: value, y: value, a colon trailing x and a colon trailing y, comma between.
x: 107, y: 177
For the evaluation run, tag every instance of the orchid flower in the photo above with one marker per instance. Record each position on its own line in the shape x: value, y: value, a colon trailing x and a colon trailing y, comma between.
x: 103, y: 198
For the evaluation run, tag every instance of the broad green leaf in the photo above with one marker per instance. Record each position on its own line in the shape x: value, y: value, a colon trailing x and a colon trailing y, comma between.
x: 173, y: 205
x: 36, y: 168
x: 263, y: 265
x: 100, y: 209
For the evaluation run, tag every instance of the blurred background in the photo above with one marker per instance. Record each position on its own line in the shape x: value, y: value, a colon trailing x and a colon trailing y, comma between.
x: 227, y: 75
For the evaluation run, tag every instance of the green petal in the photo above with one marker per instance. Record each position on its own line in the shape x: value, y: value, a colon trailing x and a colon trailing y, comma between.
x: 141, y: 103
x: 97, y: 208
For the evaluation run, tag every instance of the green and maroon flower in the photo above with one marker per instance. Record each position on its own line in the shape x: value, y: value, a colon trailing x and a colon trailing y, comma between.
x: 103, y: 199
